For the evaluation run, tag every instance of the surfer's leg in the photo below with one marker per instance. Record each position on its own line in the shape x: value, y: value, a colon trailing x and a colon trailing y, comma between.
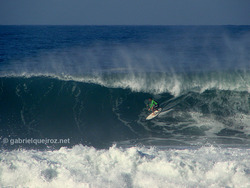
x: 156, y: 108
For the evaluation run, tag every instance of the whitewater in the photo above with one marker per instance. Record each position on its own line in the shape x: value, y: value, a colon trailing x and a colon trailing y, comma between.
x: 73, y: 106
x: 127, y: 167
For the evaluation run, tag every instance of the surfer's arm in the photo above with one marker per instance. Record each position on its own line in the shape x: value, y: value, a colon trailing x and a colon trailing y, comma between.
x: 155, y: 103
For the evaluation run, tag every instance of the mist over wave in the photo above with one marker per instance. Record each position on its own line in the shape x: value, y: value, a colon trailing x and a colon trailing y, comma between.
x: 174, y: 60
x: 130, y: 50
x: 158, y: 82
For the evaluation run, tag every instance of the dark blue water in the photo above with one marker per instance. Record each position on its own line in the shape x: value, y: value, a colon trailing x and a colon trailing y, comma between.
x: 90, y: 83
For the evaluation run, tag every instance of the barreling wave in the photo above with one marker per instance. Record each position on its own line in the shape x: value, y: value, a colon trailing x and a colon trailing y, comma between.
x: 98, y: 109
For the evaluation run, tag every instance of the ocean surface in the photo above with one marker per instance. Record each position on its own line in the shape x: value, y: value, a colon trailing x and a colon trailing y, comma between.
x: 73, y: 106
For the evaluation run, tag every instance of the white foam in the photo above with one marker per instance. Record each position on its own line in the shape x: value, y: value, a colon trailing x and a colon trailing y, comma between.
x: 132, y: 167
x: 155, y: 83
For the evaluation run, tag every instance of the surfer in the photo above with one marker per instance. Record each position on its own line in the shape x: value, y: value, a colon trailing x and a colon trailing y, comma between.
x: 153, y: 105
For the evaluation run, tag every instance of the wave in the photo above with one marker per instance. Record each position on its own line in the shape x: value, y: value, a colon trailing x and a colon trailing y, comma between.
x: 101, y: 109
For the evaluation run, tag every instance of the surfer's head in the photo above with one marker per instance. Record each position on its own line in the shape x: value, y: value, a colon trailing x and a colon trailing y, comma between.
x: 150, y: 98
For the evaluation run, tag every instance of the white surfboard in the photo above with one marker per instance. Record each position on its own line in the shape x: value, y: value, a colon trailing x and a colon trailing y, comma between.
x: 154, y: 114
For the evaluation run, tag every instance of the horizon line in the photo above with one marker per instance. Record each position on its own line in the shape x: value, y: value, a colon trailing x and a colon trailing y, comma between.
x: 124, y: 25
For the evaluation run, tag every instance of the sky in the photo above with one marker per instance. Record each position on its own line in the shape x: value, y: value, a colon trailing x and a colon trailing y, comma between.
x: 124, y: 12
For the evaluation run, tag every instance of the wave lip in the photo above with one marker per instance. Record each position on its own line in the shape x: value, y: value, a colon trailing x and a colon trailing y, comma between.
x: 157, y: 82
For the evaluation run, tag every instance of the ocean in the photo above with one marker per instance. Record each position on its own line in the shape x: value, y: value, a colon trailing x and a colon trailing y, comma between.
x: 73, y: 106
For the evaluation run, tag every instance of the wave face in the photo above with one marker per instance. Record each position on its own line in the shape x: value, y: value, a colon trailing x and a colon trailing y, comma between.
x: 94, y: 114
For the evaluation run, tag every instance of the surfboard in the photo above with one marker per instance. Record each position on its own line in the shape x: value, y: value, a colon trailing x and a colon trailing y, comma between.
x: 154, y: 114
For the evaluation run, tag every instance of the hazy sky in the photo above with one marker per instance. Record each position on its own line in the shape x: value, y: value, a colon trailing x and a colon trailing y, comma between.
x: 125, y: 12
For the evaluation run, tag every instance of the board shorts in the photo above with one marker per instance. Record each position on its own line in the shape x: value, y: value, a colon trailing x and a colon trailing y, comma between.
x: 156, y: 107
